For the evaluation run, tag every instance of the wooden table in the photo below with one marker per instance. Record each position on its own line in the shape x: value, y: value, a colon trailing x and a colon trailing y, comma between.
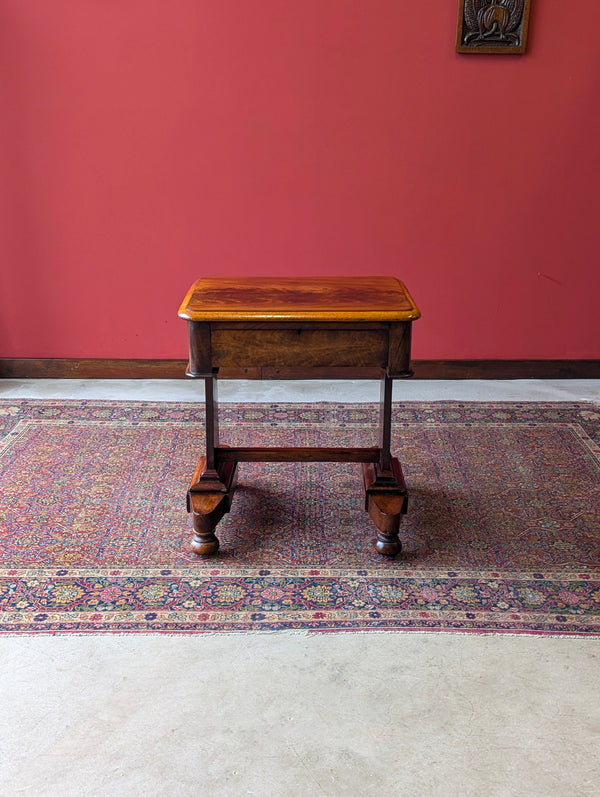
x: 321, y: 328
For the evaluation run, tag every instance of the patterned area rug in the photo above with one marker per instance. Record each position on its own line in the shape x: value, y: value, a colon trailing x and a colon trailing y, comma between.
x: 502, y: 532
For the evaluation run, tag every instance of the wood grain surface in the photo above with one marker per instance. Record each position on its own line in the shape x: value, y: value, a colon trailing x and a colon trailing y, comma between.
x: 309, y: 299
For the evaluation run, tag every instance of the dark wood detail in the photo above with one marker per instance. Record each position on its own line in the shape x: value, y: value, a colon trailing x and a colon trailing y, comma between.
x: 72, y: 368
x: 211, y: 405
x: 385, y: 422
x: 335, y: 372
x: 492, y: 26
x: 302, y: 347
x: 297, y: 454
x: 506, y: 369
x: 379, y: 481
x: 399, y: 350
x: 200, y: 352
x: 208, y: 507
x: 76, y: 368
x: 386, y: 505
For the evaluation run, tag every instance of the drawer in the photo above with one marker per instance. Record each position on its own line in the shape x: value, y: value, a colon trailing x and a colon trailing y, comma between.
x: 299, y: 346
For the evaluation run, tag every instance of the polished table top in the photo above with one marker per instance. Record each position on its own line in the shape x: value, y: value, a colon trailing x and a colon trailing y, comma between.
x: 298, y: 299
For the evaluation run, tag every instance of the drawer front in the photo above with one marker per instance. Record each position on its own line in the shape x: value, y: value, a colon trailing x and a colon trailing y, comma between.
x: 299, y: 347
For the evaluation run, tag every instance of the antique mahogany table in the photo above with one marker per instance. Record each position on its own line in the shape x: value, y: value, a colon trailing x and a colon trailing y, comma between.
x: 321, y: 328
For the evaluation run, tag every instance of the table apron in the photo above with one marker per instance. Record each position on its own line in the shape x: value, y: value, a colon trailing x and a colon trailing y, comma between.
x: 263, y: 349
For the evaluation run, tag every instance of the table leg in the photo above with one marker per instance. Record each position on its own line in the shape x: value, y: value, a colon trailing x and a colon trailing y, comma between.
x: 209, y: 476
x: 386, y: 504
x: 213, y: 483
x: 208, y: 507
x: 385, y: 491
x: 385, y: 423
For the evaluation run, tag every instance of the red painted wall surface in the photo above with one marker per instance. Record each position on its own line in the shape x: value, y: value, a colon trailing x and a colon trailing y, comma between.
x: 145, y: 143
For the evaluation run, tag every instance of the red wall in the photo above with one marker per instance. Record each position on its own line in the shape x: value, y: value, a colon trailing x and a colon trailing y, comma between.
x: 144, y: 143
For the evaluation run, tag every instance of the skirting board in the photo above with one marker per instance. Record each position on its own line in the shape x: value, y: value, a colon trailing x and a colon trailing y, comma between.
x: 32, y: 368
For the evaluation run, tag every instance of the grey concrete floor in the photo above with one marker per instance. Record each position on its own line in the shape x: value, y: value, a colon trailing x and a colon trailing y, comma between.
x: 341, y: 390
x: 291, y: 714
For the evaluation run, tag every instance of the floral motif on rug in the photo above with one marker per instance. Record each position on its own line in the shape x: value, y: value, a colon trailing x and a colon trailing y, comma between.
x: 502, y: 532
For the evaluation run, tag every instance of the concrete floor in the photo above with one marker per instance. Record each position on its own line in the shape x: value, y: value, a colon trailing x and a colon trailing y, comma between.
x: 290, y: 714
x: 341, y: 390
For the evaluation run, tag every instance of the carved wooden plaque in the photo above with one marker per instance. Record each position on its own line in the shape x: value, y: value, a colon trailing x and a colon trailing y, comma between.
x: 492, y: 26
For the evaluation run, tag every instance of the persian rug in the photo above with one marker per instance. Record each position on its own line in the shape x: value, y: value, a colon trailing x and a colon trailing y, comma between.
x: 502, y: 533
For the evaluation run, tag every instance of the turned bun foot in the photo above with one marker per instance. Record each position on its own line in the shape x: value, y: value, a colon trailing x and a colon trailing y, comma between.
x: 387, y: 546
x: 205, y: 546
